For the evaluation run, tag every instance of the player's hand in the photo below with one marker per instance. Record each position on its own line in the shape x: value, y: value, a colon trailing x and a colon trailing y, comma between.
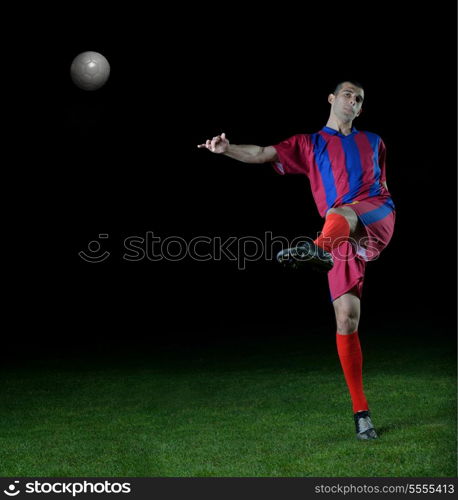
x: 218, y: 144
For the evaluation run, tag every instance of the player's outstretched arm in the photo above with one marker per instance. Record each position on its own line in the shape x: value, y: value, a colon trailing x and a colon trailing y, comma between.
x: 243, y: 152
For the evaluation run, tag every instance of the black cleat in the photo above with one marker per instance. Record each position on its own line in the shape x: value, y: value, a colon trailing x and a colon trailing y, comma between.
x: 306, y: 252
x: 364, y: 427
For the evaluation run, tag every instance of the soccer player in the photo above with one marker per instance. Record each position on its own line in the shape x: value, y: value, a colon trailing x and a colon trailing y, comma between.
x: 347, y: 174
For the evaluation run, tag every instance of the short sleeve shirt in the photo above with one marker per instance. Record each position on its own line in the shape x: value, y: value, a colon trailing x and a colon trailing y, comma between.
x: 341, y: 169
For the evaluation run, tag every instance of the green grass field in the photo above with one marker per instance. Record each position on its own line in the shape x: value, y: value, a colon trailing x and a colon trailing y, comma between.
x: 260, y: 407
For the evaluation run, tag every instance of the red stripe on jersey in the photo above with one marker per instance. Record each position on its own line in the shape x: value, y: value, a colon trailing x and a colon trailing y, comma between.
x: 337, y: 159
x: 366, y: 155
x: 316, y: 180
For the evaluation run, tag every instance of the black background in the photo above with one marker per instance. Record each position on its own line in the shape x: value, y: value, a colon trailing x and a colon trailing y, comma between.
x: 123, y: 161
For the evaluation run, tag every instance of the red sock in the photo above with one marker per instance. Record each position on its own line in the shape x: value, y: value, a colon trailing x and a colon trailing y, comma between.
x: 336, y: 229
x: 351, y: 359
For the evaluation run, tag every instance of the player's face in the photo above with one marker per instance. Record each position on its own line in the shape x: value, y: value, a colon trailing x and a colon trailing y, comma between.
x: 347, y: 103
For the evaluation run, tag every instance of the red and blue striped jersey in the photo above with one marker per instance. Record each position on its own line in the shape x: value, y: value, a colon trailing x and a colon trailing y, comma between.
x: 341, y: 169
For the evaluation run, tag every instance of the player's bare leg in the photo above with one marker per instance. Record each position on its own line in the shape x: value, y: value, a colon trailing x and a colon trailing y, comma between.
x: 347, y: 310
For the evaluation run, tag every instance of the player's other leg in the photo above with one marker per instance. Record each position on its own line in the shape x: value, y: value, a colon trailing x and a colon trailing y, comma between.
x: 347, y: 310
x: 340, y: 224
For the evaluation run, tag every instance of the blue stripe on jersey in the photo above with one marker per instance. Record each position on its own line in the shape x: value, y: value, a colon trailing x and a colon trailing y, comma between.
x: 353, y: 167
x: 374, y: 141
x: 377, y: 214
x: 324, y: 166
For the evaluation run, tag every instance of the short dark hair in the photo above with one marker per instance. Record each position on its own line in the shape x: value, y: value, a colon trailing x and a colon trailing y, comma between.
x: 340, y: 84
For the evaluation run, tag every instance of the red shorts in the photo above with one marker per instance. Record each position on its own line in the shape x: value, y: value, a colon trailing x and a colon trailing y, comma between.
x: 377, y: 216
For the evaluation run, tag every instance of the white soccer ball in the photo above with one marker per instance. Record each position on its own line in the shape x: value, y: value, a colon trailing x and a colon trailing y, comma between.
x: 90, y: 70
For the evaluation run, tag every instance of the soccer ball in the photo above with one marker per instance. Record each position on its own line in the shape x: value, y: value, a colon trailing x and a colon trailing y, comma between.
x: 90, y: 70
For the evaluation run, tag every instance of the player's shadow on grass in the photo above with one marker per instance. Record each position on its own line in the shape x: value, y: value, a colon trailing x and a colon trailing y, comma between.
x: 387, y: 429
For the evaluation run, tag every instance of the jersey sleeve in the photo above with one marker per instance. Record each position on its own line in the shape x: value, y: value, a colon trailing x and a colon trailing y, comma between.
x: 292, y: 156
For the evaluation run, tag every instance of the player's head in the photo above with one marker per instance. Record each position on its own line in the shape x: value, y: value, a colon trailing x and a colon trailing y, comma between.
x: 347, y: 100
